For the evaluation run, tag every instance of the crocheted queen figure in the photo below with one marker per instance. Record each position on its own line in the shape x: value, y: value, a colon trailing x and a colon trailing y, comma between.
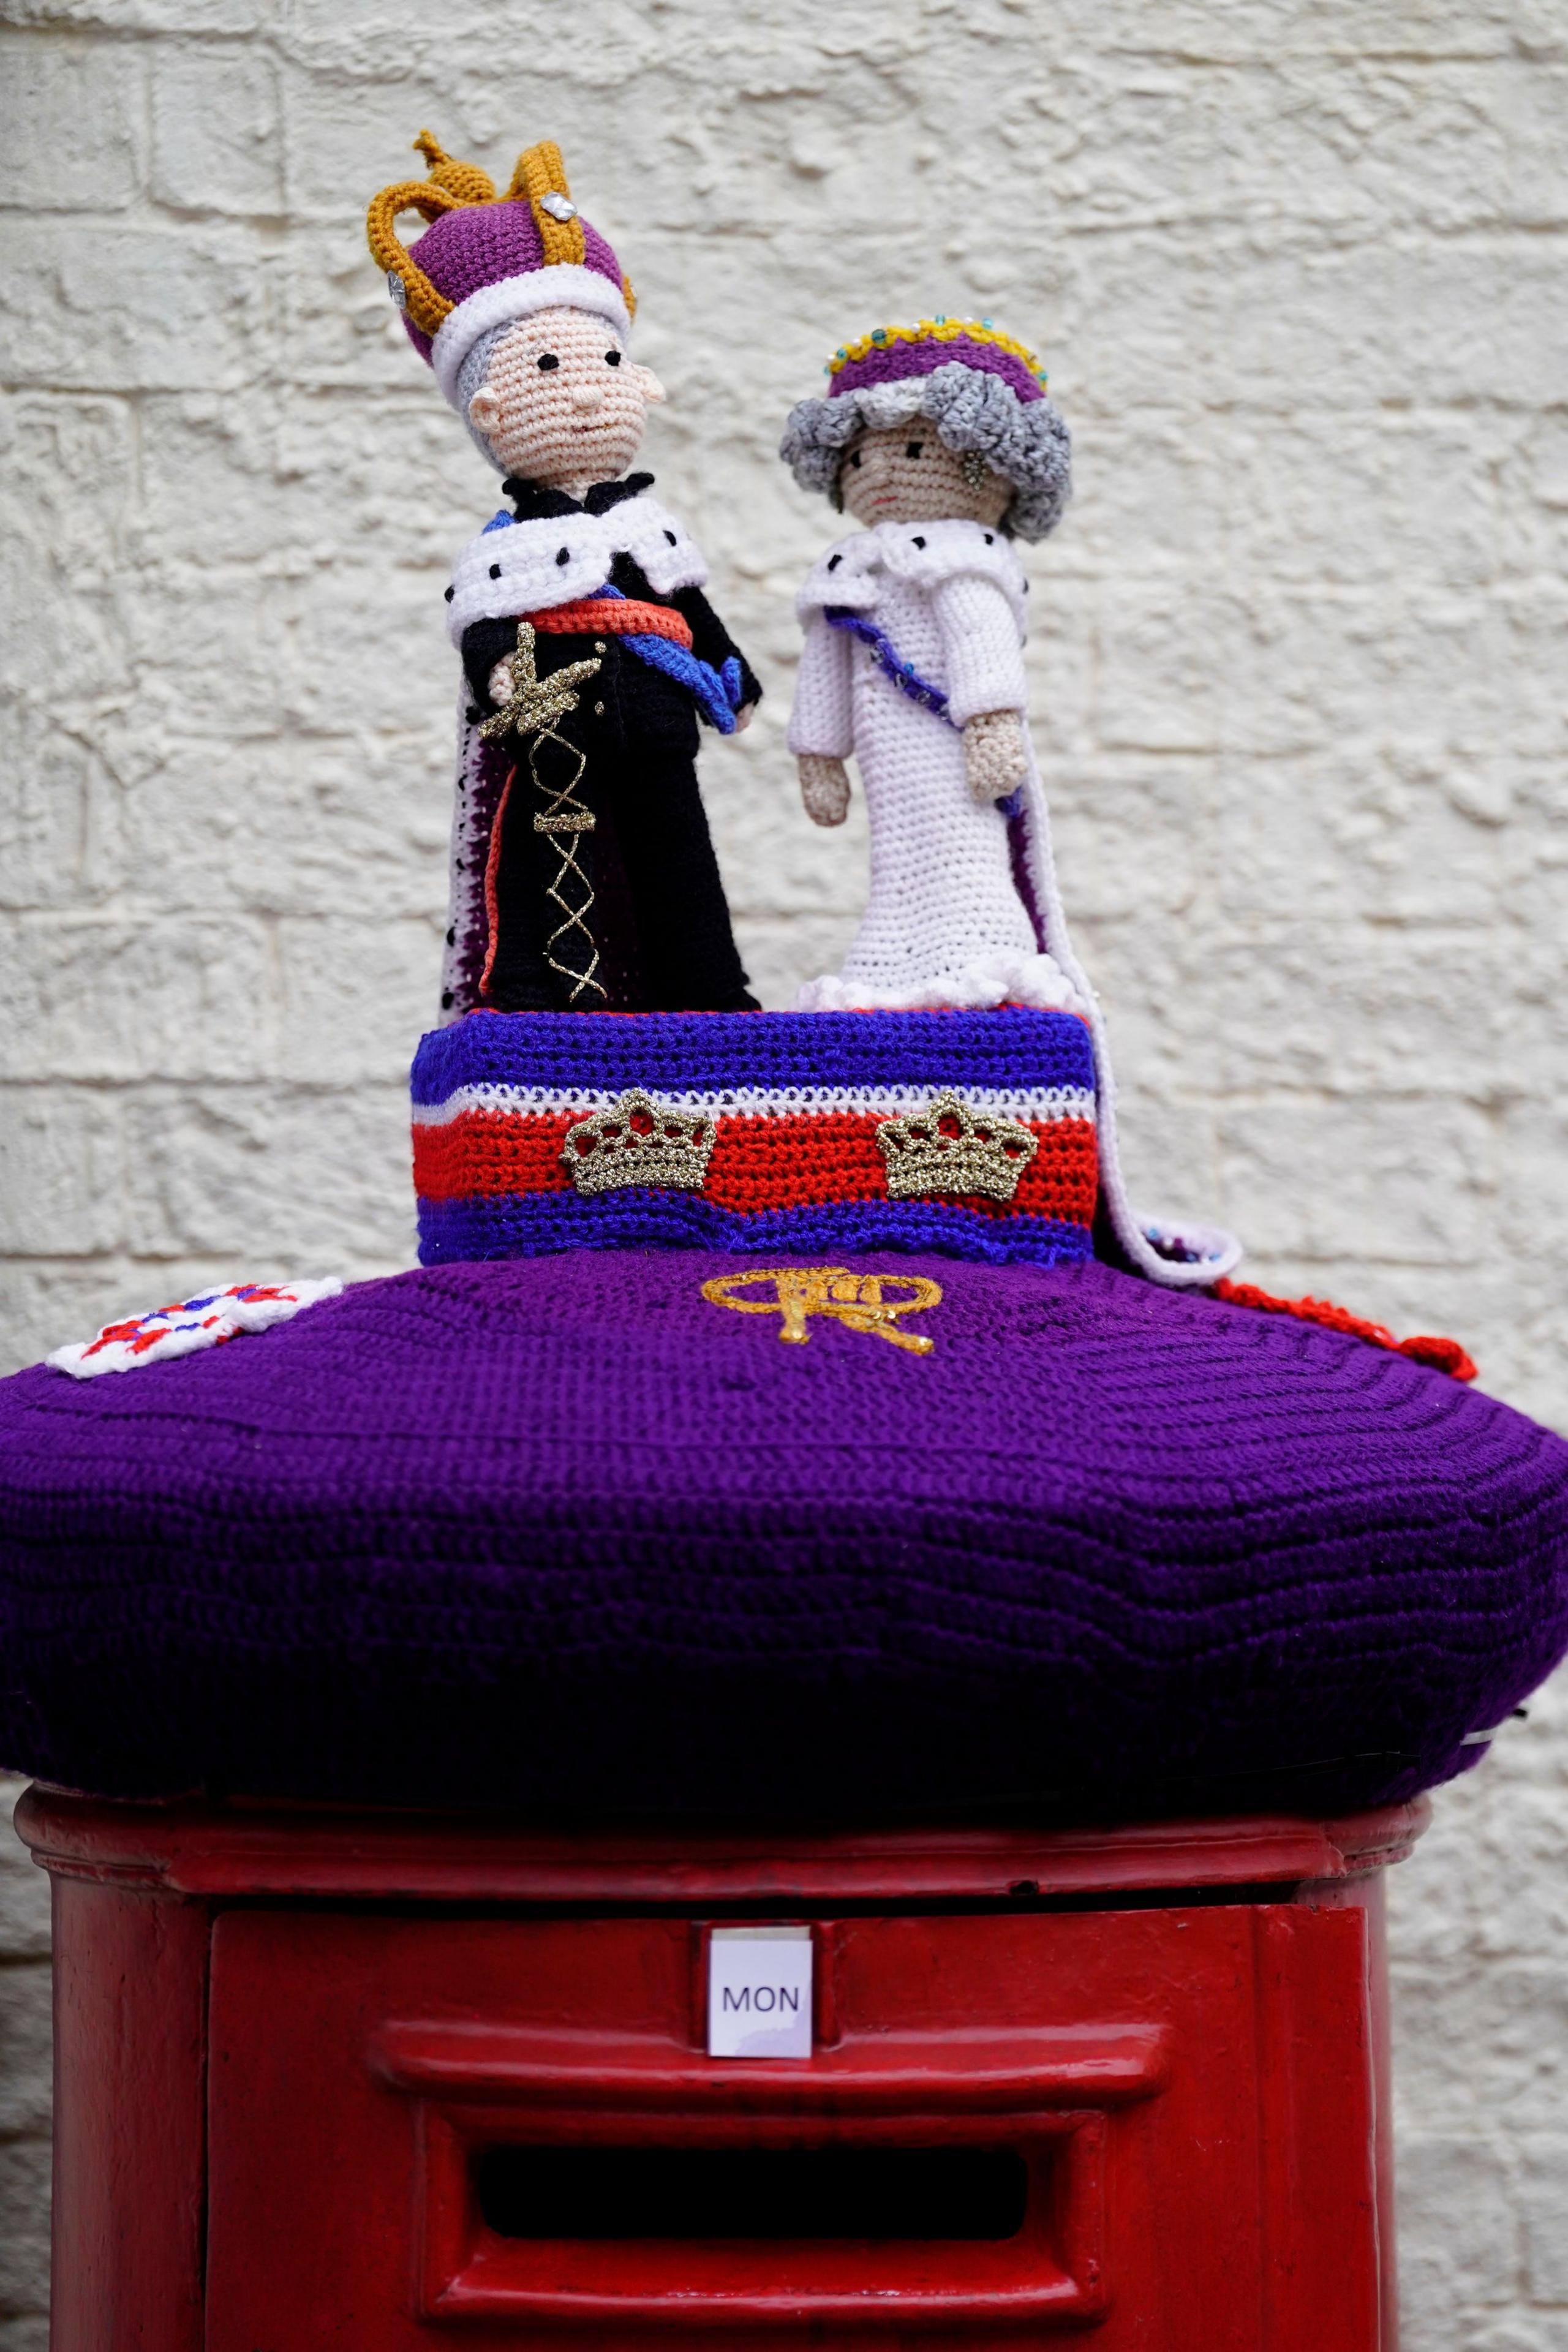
x: 941, y: 441
x: 583, y: 874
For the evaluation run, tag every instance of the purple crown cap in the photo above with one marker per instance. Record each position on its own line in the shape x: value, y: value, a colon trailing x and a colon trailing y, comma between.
x: 480, y: 245
x: 895, y: 362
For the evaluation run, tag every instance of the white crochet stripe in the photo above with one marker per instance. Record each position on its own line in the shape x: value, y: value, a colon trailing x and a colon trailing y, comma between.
x: 1035, y: 1105
x: 560, y: 286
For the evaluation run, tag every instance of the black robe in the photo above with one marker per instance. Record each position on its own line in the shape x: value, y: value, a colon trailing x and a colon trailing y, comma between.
x: 659, y: 919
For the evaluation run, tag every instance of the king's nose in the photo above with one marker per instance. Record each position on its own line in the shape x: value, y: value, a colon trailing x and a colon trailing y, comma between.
x: 586, y: 396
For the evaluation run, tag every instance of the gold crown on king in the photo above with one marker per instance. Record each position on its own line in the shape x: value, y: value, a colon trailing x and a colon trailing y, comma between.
x: 946, y: 1149
x: 639, y: 1140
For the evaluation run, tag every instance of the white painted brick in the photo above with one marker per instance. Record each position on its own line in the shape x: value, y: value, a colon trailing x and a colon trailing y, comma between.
x: 217, y: 138
x: 248, y: 478
x: 1437, y: 144
x: 24, y: 2240
x: 70, y: 476
x: 338, y: 327
x: 165, y: 996
x: 209, y: 16
x: 354, y: 995
x: 772, y: 864
x: 336, y: 151
x: 27, y: 2048
x: 269, y: 1181
x: 780, y: 953
x: 356, y: 826
x: 1412, y: 1184
x: 61, y: 1158
x: 1302, y: 319
x: 23, y: 1889
x: 1512, y: 2018
x: 1471, y: 2252
x: 1536, y: 2331
x: 83, y: 105
x: 143, y: 309
x: 1545, y: 2205
x: 1298, y: 273
x: 370, y: 648
x: 44, y: 815
x: 1348, y: 1015
x: 1384, y: 833
x: 64, y: 492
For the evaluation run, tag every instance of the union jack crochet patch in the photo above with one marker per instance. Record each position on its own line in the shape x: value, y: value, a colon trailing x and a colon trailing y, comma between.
x: 205, y: 1321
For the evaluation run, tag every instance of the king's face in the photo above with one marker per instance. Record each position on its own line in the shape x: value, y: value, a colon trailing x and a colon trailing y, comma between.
x: 561, y: 402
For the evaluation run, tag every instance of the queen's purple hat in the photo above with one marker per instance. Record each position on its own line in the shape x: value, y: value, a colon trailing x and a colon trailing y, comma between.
x: 983, y: 389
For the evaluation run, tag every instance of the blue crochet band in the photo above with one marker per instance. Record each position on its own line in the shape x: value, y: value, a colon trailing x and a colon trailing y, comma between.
x: 904, y: 675
x: 998, y: 1049
x: 717, y: 690
x: 534, y: 1224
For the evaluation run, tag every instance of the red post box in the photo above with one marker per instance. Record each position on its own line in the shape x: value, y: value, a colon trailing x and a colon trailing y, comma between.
x: 392, y: 2082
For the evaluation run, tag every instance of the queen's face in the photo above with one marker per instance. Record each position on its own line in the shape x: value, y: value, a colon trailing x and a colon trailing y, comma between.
x: 561, y: 402
x: 904, y: 473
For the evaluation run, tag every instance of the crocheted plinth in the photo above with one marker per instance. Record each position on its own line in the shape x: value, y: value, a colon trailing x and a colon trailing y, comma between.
x: 800, y: 1156
x: 574, y: 1536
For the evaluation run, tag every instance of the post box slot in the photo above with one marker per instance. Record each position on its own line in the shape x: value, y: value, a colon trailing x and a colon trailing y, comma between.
x: 762, y: 2193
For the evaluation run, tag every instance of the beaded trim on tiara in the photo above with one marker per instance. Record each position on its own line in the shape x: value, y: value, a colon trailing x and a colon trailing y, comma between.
x: 939, y: 331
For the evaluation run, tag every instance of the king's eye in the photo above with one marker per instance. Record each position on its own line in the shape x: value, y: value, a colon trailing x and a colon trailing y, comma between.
x: 612, y: 359
x: 854, y: 456
x: 913, y: 448
x: 547, y: 359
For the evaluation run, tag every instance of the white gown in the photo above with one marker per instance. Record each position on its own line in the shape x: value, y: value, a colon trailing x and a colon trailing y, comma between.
x: 944, y: 924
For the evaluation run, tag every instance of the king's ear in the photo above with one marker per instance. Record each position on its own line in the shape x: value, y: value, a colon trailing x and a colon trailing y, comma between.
x: 484, y: 410
x: 652, y: 389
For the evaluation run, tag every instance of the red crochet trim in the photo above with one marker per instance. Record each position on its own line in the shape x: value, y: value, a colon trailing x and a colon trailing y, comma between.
x: 621, y: 616
x: 769, y: 1161
x: 492, y: 879
x: 1443, y: 1355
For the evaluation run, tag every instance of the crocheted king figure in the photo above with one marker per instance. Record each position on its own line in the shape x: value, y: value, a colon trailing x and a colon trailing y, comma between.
x: 584, y: 878
x: 941, y: 441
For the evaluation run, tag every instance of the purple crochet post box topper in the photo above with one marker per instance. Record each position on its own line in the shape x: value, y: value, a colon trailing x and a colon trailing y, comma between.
x: 791, y: 1413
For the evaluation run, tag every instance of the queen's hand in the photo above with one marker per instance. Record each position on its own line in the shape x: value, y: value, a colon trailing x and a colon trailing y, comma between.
x: 501, y: 684
x: 824, y: 787
x: 995, y: 758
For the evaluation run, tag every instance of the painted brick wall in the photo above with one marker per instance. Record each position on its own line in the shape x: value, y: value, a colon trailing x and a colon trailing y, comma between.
x: 1301, y: 272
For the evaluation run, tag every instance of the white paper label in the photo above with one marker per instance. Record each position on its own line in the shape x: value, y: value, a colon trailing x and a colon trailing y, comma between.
x: 759, y: 1992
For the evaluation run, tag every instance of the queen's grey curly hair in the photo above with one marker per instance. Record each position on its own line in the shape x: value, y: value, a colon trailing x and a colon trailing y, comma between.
x: 1026, y: 442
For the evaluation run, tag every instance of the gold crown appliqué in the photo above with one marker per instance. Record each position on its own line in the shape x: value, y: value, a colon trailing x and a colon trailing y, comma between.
x: 946, y: 1149
x: 639, y: 1140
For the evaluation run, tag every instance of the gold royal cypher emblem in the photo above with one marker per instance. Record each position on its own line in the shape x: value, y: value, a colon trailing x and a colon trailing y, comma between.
x: 861, y: 1302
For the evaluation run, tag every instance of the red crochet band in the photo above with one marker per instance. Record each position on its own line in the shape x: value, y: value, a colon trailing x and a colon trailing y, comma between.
x: 758, y: 1162
x: 621, y: 616
x: 1443, y: 1355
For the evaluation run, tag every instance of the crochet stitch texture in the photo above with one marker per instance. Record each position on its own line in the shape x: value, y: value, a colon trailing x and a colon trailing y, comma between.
x: 980, y: 390
x: 798, y: 1103
x: 567, y: 1535
x: 945, y: 922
